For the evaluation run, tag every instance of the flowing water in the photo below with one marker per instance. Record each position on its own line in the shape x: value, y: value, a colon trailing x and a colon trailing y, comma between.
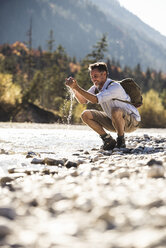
x: 49, y: 140
x: 68, y: 107
x: 71, y: 107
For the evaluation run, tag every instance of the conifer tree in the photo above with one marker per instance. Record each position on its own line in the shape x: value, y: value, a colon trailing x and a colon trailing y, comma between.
x: 50, y: 42
x: 29, y: 34
x: 99, y: 50
x: 97, y: 54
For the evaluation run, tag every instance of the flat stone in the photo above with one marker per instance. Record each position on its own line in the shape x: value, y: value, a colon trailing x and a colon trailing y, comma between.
x: 7, y: 212
x: 37, y: 161
x: 51, y: 161
x: 4, y: 231
x: 154, y: 162
x: 156, y: 171
x: 70, y: 164
x: 31, y: 154
x: 6, y: 179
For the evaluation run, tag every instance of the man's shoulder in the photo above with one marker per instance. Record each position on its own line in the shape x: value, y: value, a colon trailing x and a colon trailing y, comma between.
x: 112, y: 83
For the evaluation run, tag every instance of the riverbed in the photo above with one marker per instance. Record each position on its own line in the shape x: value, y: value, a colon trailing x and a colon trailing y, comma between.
x: 58, y: 189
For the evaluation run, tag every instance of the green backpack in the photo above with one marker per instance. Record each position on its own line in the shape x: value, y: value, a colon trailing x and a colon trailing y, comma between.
x: 132, y: 89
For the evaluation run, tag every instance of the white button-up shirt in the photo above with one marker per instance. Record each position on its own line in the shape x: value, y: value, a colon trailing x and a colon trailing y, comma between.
x: 114, y: 90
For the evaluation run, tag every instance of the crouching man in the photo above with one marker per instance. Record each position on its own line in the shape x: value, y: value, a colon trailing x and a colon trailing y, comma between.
x: 117, y: 116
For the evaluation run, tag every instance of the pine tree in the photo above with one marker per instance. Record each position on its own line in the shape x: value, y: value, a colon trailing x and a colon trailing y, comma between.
x: 29, y: 34
x: 50, y: 42
x: 97, y: 54
x: 99, y: 50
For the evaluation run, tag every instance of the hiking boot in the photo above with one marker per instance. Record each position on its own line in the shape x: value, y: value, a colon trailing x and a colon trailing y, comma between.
x: 121, y: 142
x: 108, y: 143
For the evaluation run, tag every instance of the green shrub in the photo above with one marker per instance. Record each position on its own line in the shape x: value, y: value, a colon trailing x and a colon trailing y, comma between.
x: 78, y: 109
x: 152, y: 112
x: 10, y: 93
x: 58, y: 102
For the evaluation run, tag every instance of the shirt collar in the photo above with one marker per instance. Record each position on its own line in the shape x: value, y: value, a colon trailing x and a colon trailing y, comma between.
x: 106, y: 84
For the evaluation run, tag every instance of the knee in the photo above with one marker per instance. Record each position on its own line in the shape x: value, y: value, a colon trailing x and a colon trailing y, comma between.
x: 116, y: 113
x: 86, y: 115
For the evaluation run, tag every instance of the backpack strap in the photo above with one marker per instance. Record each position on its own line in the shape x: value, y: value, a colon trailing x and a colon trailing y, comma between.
x: 117, y: 98
x: 97, y: 91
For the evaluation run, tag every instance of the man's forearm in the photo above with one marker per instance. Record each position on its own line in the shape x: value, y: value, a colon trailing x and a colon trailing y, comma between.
x: 88, y: 96
x: 79, y: 97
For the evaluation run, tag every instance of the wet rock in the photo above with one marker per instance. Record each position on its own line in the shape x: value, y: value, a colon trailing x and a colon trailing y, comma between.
x: 156, y: 171
x: 70, y: 164
x: 126, y: 150
x: 5, y: 180
x: 76, y: 154
x: 138, y: 149
x: 156, y: 203
x: 74, y: 173
x: 109, y: 220
x: 2, y: 151
x: 154, y: 162
x: 95, y: 158
x: 117, y: 152
x: 32, y: 154
x: 107, y: 153
x: 148, y: 149
x: 121, y: 173
x: 146, y: 136
x: 51, y: 161
x: 37, y: 161
x: 80, y: 161
x: 7, y: 212
x: 45, y: 171
x: 12, y: 170
x: 17, y: 171
x: 4, y: 231
x: 94, y: 149
x: 34, y: 203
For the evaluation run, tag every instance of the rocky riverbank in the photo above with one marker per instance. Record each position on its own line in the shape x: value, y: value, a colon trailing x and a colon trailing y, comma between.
x: 94, y: 198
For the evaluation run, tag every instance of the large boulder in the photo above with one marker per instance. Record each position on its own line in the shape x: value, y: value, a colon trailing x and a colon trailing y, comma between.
x: 29, y: 112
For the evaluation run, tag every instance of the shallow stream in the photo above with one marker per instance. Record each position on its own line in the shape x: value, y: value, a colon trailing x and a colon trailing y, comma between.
x: 53, y: 140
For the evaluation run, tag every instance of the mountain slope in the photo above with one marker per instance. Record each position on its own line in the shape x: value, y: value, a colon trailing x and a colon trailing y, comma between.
x: 128, y: 20
x: 79, y: 24
x: 149, y: 41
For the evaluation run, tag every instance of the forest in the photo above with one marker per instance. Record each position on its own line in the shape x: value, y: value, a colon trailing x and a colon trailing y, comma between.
x: 37, y: 76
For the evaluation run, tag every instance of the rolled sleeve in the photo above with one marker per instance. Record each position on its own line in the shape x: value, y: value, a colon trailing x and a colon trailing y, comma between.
x: 100, y: 98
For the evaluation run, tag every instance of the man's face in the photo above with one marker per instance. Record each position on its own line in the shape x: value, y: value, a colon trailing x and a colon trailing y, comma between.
x: 98, y: 78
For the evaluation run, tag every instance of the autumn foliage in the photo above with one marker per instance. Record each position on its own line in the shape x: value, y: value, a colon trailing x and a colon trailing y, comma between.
x: 36, y: 76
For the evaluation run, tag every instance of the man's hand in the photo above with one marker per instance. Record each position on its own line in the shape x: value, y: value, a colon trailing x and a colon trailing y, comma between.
x: 71, y: 82
x: 82, y: 95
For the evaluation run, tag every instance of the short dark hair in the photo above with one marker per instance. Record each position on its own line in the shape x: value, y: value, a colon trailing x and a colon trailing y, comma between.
x: 100, y: 66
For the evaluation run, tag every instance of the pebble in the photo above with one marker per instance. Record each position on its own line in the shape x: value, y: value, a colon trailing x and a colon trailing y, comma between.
x: 37, y: 161
x: 70, y: 164
x: 6, y: 179
x: 32, y: 155
x: 156, y: 171
x: 8, y: 212
x: 4, y: 231
x: 51, y: 161
x: 95, y: 198
x: 152, y: 162
x: 121, y: 173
